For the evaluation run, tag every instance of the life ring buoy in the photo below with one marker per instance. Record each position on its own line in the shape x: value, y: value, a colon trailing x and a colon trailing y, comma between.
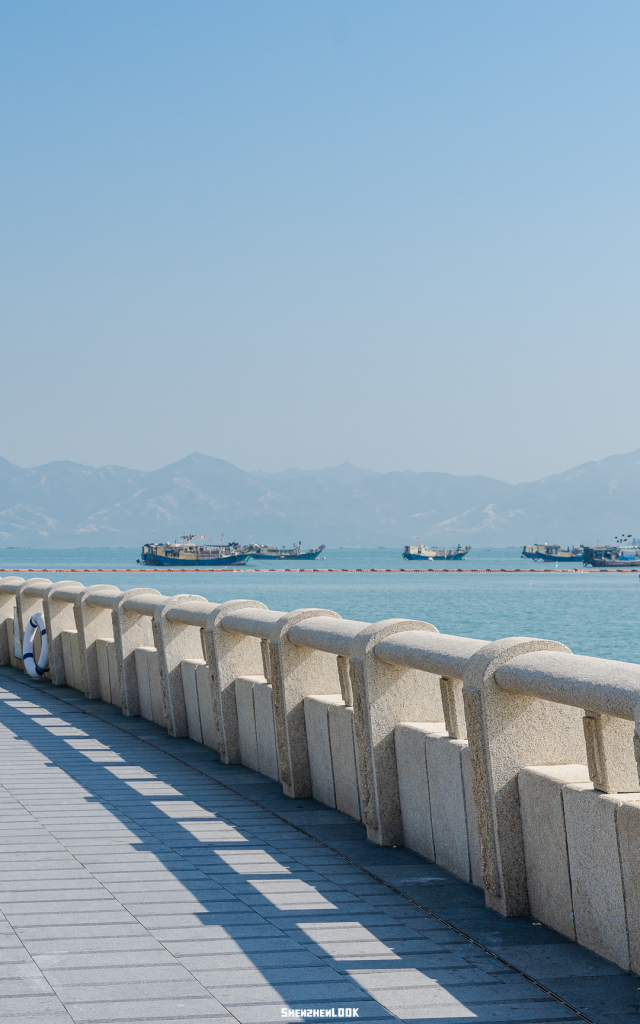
x: 33, y: 668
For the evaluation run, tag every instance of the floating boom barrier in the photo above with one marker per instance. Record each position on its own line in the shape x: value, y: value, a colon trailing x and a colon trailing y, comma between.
x: 243, y: 569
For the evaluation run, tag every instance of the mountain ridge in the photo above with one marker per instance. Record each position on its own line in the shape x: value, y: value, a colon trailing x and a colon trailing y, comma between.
x: 67, y: 504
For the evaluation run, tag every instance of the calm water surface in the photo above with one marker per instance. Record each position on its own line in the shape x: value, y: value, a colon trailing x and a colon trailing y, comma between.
x: 593, y: 613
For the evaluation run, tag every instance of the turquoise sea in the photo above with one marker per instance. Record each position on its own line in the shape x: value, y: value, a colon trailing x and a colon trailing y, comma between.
x: 593, y: 613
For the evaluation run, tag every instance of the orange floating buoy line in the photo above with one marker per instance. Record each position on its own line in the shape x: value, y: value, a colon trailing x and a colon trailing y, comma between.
x: 144, y: 572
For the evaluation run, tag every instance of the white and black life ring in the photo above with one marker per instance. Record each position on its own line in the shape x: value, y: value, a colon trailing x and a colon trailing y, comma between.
x: 33, y: 668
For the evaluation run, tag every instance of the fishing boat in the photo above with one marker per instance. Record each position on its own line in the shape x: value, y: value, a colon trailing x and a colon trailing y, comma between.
x: 267, y: 551
x: 422, y: 553
x: 612, y: 557
x: 552, y: 553
x: 189, y: 555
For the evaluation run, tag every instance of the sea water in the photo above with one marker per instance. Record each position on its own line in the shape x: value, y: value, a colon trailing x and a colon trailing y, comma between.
x: 593, y: 613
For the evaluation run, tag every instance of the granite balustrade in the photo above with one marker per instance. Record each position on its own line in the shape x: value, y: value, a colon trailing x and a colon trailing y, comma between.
x: 513, y: 764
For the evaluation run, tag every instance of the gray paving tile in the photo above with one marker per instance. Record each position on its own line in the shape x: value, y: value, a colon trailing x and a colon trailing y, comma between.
x: 128, y: 880
x: 102, y: 984
x: 38, y: 1005
x: 613, y: 1018
x: 14, y: 954
x: 561, y: 960
x: 38, y: 847
x: 84, y: 932
x: 59, y: 1017
x: 189, y: 1018
x: 155, y: 955
x: 511, y: 1014
x: 309, y: 993
x: 202, y: 919
x: 224, y: 978
x: 28, y: 893
x: 181, y: 895
x: 22, y: 921
x: 314, y: 910
x: 190, y: 1009
x: 64, y: 978
x: 20, y: 970
x: 604, y: 994
x: 250, y: 962
x: 425, y: 978
x: 204, y: 931
x: 42, y: 877
x: 418, y: 995
x: 125, y: 858
x: 25, y: 985
x: 188, y: 946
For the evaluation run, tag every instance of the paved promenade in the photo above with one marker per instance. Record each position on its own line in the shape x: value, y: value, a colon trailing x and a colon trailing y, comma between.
x: 141, y: 880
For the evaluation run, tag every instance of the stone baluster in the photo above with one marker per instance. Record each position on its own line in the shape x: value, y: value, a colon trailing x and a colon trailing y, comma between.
x: 58, y: 604
x: 345, y: 680
x: 453, y: 707
x: 93, y: 622
x: 610, y: 753
x: 132, y: 628
x: 508, y: 731
x: 8, y: 587
x: 297, y: 672
x: 174, y: 642
x: 29, y: 598
x: 383, y: 696
x: 229, y: 655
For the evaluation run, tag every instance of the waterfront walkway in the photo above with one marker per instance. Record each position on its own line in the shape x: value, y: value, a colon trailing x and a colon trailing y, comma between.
x: 142, y: 880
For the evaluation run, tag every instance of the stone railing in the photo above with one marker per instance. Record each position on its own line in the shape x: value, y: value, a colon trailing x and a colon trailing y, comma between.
x: 511, y: 763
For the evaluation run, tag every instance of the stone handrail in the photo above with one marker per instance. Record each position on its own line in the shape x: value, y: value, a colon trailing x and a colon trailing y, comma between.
x: 430, y: 652
x: 10, y: 584
x: 66, y: 590
x: 258, y: 622
x: 191, y: 613
x: 597, y: 685
x: 334, y: 636
x: 143, y: 602
x: 103, y: 598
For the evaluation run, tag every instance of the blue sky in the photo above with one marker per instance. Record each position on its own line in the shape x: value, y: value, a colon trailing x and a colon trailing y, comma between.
x: 400, y: 234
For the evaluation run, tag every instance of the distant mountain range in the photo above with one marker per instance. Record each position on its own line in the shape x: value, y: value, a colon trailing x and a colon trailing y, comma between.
x: 64, y: 504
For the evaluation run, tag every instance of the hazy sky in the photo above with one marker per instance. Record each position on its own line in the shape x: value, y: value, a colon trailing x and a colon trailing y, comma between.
x: 401, y: 234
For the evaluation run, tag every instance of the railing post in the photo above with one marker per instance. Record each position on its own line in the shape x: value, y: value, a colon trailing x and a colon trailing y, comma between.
x: 27, y: 604
x: 508, y: 731
x: 383, y: 696
x: 453, y: 707
x: 7, y: 604
x: 92, y: 623
x: 59, y: 616
x: 228, y: 656
x: 296, y: 673
x: 610, y: 754
x: 175, y: 641
x: 345, y: 680
x: 130, y: 630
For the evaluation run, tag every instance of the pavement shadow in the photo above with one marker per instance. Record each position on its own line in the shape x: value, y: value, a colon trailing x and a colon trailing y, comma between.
x: 267, y: 919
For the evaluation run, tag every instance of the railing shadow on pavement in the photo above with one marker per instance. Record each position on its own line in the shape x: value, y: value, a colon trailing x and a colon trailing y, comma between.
x: 238, y: 877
